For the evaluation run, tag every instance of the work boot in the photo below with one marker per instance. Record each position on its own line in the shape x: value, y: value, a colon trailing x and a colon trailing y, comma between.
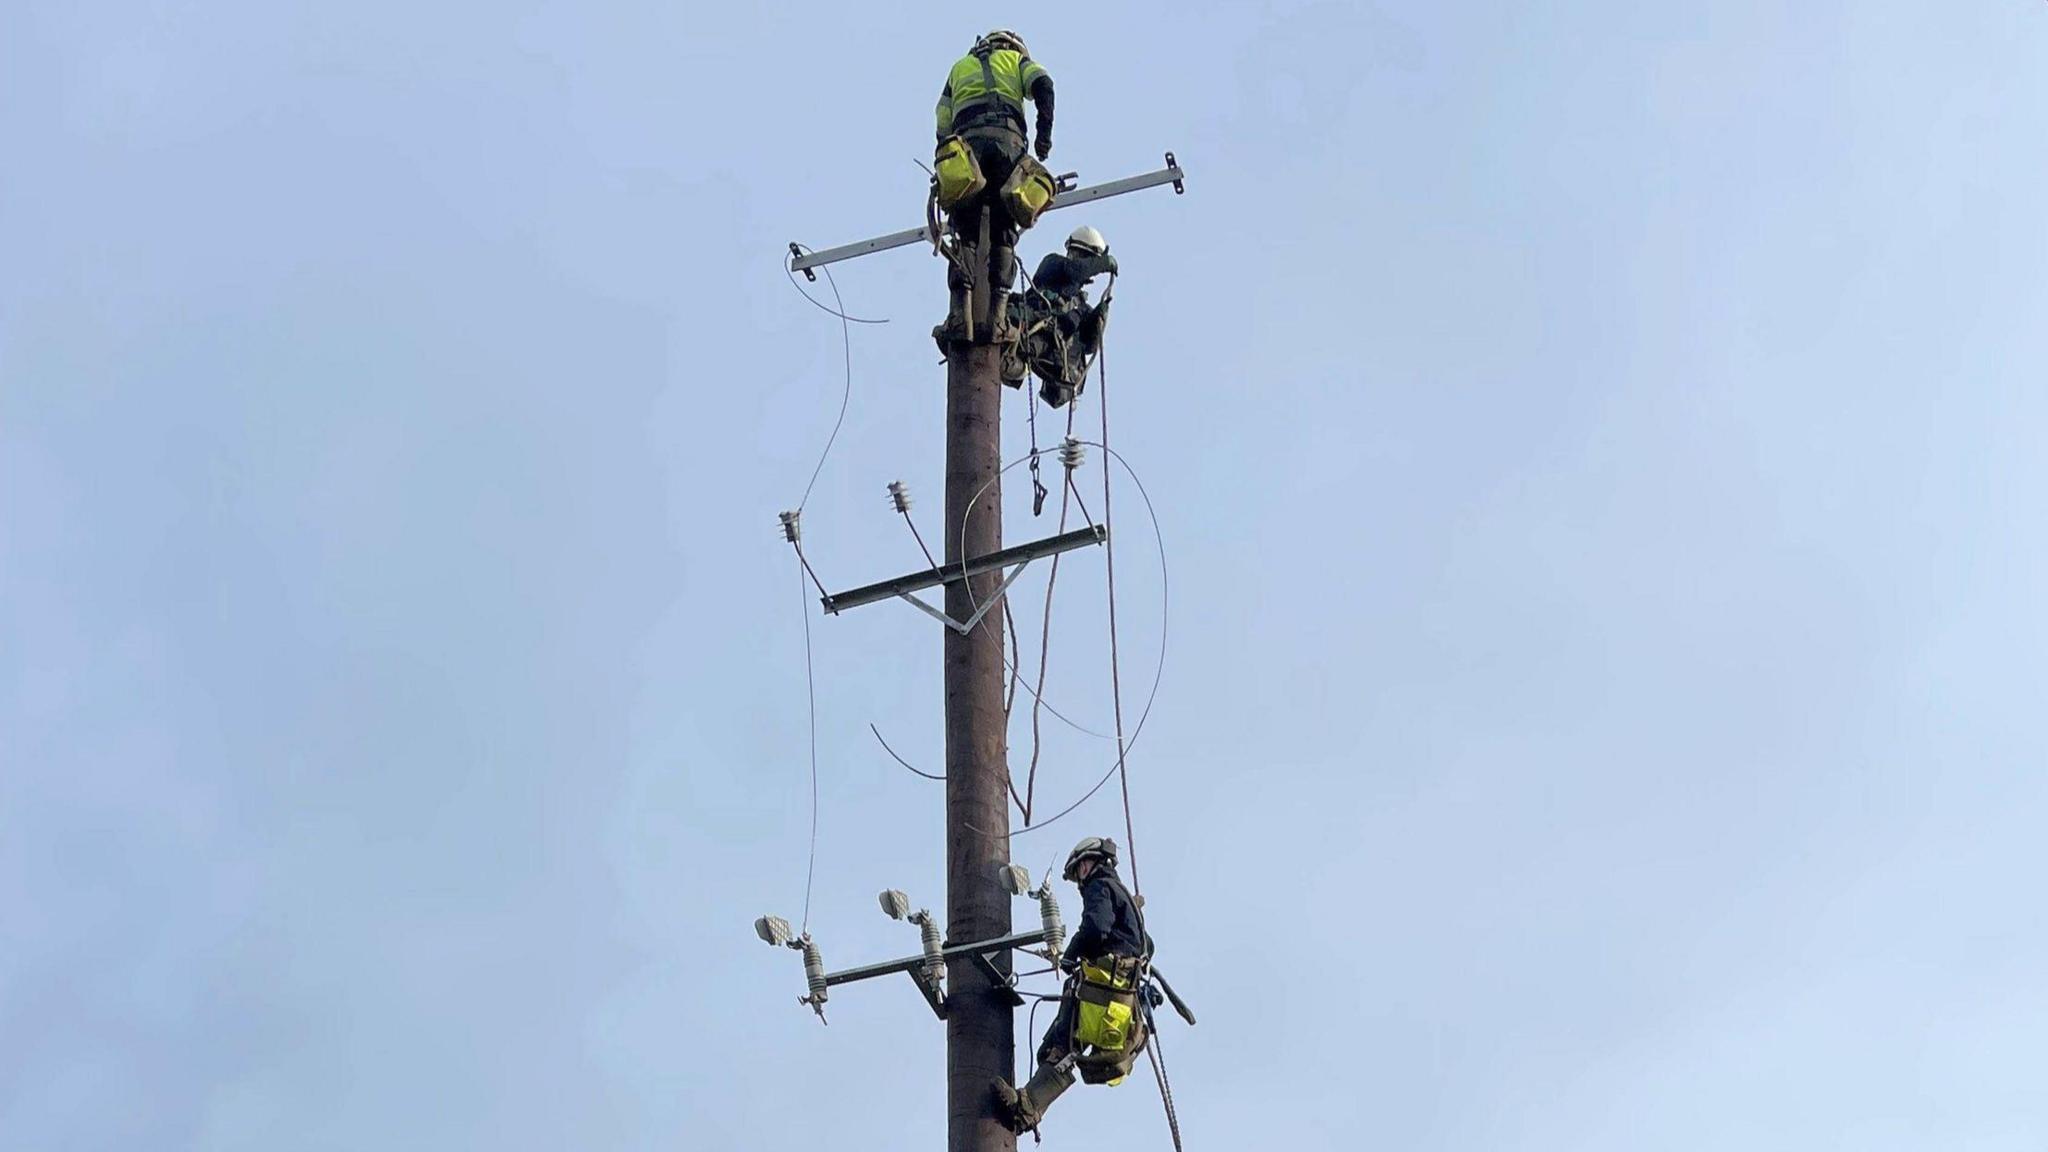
x: 1023, y: 1110
x: 1001, y: 331
x: 1002, y: 276
x: 1006, y: 1105
x: 954, y: 330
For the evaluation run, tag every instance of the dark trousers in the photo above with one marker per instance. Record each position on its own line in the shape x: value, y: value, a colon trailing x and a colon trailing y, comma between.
x: 997, y: 147
x: 1060, y: 1037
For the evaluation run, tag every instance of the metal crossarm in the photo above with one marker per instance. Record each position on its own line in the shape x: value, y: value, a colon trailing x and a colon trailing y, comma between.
x: 909, y: 963
x: 838, y: 602
x: 1171, y: 174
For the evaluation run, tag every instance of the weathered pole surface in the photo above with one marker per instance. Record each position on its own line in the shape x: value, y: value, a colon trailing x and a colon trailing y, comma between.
x: 980, y: 1029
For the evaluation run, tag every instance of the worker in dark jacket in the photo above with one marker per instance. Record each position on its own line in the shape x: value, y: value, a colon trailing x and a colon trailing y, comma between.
x: 983, y: 103
x: 1069, y: 273
x: 1110, y: 945
x: 1059, y: 330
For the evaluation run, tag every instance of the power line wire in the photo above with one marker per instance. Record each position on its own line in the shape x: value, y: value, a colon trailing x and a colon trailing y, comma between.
x: 1028, y: 686
x: 846, y: 348
x: 1116, y: 692
x: 811, y: 693
x: 1159, y: 670
x: 899, y: 759
x: 1144, y: 714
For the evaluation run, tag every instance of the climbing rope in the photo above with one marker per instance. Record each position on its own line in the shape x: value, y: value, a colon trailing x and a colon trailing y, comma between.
x: 1068, y: 462
x: 1038, y: 492
x: 1157, y: 1056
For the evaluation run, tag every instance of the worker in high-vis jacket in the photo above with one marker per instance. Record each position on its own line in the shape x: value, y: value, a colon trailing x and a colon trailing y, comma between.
x: 1100, y: 1029
x: 983, y: 103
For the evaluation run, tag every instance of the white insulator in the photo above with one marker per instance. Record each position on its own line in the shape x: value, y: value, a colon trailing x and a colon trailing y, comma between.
x: 899, y: 495
x: 1072, y: 453
x: 792, y: 525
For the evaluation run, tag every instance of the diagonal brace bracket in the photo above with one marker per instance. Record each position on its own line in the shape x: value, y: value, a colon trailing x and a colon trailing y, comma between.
x: 964, y: 629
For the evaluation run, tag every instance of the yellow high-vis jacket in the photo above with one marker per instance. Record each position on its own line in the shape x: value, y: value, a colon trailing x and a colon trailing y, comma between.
x: 995, y: 87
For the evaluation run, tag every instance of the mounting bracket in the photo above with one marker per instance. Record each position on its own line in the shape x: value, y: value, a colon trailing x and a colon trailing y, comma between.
x: 992, y: 601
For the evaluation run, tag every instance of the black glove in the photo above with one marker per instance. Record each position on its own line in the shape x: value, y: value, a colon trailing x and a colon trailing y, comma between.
x: 1070, y: 963
x: 1042, y: 147
x: 1153, y: 995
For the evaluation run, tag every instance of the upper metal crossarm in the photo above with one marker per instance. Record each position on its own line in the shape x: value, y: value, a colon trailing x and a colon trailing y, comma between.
x: 1171, y: 174
x: 933, y: 577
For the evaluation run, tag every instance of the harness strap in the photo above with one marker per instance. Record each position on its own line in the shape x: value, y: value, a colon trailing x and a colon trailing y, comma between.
x: 992, y: 98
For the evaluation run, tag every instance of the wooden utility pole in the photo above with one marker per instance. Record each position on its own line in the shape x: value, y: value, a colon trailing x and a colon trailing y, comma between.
x: 980, y: 1028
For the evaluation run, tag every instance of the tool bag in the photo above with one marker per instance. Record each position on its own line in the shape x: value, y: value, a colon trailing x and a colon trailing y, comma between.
x: 957, y: 173
x: 1028, y: 191
x: 1106, y: 1015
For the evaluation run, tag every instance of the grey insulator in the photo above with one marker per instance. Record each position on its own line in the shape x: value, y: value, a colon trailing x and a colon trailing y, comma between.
x: 792, y: 525
x: 934, y: 946
x: 899, y: 495
x: 814, y: 972
x: 1049, y: 917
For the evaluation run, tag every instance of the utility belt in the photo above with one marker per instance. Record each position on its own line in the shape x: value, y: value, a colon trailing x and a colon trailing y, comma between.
x: 989, y: 112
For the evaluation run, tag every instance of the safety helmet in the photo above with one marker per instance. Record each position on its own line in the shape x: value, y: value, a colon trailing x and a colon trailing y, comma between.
x: 1090, y: 848
x: 999, y: 40
x: 1088, y: 240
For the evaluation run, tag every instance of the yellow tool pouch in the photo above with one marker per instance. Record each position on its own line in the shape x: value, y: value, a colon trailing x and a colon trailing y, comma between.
x: 1106, y: 1009
x: 1028, y: 191
x: 958, y: 173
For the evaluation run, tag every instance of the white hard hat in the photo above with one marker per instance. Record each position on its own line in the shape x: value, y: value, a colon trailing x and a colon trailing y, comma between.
x: 1088, y: 240
x: 1000, y: 39
x: 1090, y: 848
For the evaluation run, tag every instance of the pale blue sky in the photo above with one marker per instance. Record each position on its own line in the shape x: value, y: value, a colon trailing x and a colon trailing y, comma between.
x: 1598, y: 454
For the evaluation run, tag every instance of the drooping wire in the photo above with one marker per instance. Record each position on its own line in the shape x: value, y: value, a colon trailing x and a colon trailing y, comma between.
x: 811, y: 694
x: 1062, y: 717
x: 791, y: 530
x: 846, y: 348
x: 1159, y: 670
x: 899, y: 759
x: 789, y: 270
x: 1010, y: 697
